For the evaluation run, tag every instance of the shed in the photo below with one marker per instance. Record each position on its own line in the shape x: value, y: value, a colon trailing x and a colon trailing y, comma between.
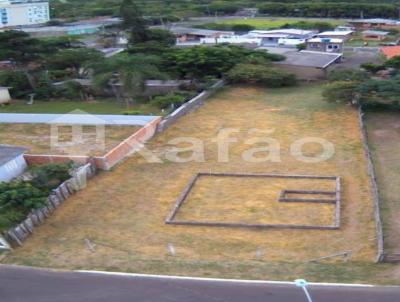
x: 344, y: 35
x: 5, y: 97
x: 12, y: 162
x: 374, y: 35
x: 309, y: 65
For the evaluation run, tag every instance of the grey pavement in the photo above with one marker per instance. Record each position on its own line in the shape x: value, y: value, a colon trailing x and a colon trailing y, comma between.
x: 20, y: 284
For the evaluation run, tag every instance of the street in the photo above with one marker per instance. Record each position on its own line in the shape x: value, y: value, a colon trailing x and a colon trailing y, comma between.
x: 20, y: 284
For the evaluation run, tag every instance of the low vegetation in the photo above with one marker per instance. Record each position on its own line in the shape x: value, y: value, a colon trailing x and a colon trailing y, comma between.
x: 260, y: 74
x: 144, y: 193
x: 18, y: 197
x: 368, y: 89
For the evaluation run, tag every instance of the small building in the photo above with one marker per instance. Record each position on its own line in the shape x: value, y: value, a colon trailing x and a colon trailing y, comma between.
x: 12, y: 162
x: 343, y: 35
x: 190, y: 35
x: 325, y: 45
x: 5, y: 97
x: 23, y: 12
x: 309, y: 65
x: 344, y: 28
x: 281, y: 36
x: 374, y: 35
x: 364, y: 24
x: 235, y: 39
x: 390, y: 51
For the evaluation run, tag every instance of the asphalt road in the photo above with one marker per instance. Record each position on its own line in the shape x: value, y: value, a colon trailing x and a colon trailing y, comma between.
x: 34, y: 285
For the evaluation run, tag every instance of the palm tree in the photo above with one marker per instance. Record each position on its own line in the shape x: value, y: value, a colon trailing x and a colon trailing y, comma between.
x: 127, y: 75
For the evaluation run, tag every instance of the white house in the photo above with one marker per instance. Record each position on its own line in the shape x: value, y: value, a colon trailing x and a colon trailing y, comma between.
x: 284, y: 36
x: 236, y: 39
x: 4, y: 95
x: 344, y: 35
x: 12, y: 162
x: 23, y: 12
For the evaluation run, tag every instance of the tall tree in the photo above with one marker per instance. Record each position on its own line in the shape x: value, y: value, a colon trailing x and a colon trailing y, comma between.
x: 127, y: 75
x: 134, y: 22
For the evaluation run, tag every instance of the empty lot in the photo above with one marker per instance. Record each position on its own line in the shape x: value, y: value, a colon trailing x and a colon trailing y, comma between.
x: 123, y: 211
x: 37, y: 138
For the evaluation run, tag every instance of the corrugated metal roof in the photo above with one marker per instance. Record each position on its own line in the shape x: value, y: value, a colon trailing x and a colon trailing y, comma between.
x: 8, y: 153
x: 310, y: 59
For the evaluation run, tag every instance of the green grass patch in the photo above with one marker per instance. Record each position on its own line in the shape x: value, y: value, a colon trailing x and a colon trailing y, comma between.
x: 267, y: 23
x: 93, y: 107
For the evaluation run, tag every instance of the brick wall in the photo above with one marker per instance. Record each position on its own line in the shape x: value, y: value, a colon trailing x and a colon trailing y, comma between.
x: 106, y: 162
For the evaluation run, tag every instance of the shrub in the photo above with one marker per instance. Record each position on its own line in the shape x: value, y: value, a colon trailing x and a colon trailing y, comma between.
x: 18, y: 82
x: 341, y: 92
x: 133, y: 112
x: 393, y: 62
x: 371, y: 67
x: 348, y: 75
x: 380, y: 93
x: 21, y: 195
x: 168, y: 101
x: 260, y: 74
x: 50, y: 176
x: 242, y: 28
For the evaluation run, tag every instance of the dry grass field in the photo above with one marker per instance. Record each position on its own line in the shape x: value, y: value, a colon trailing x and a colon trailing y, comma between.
x: 255, y: 201
x: 123, y: 211
x: 37, y: 138
x: 384, y: 137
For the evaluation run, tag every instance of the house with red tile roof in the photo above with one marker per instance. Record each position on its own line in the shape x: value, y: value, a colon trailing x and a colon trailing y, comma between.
x: 390, y: 51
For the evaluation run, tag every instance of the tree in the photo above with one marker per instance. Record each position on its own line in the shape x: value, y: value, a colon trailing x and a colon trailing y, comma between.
x: 202, y: 61
x: 127, y: 75
x: 74, y: 59
x: 133, y: 21
x: 260, y: 74
x: 18, y: 82
x: 380, y: 93
x: 393, y: 62
x: 242, y: 28
x: 353, y: 75
x: 341, y: 92
x: 223, y: 7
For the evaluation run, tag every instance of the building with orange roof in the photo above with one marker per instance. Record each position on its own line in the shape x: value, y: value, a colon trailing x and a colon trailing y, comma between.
x: 390, y: 51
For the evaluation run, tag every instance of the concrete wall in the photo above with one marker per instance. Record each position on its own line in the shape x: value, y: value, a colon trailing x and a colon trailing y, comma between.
x: 13, y: 168
x: 4, y: 96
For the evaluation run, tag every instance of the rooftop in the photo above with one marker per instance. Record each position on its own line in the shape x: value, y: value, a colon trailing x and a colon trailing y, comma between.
x: 376, y: 20
x: 375, y: 32
x: 336, y: 33
x: 325, y: 40
x: 391, y: 51
x: 286, y: 31
x: 8, y: 153
x: 310, y: 58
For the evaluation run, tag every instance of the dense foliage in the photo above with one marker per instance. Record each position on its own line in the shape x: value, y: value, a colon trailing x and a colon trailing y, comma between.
x: 18, y: 197
x: 162, y: 10
x: 260, y: 74
x: 201, y: 61
x: 357, y: 87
